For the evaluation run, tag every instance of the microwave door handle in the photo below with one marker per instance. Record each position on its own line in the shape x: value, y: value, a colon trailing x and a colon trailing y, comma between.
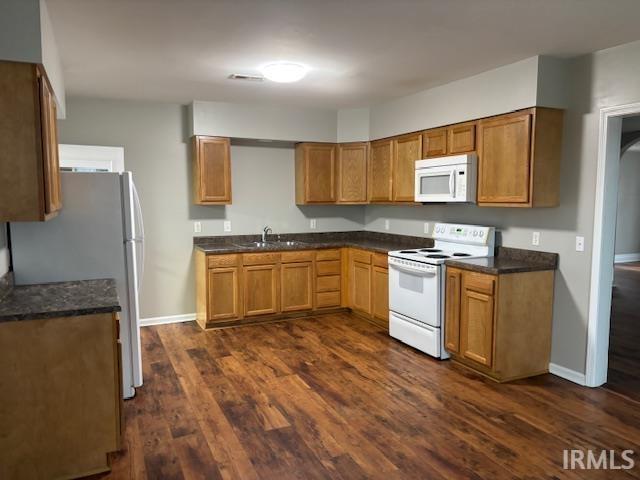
x: 452, y: 184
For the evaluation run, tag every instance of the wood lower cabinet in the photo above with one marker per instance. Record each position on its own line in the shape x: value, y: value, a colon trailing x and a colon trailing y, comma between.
x: 352, y: 172
x: 519, y: 158
x: 360, y: 281
x: 224, y: 293
x: 296, y: 286
x: 261, y: 287
x: 316, y: 171
x: 499, y: 325
x: 408, y: 150
x: 380, y: 290
x: 61, y: 396
x: 380, y: 179
x: 29, y: 165
x: 211, y: 170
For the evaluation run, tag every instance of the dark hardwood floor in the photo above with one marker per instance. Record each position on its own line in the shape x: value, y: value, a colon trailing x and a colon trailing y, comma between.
x: 624, y: 339
x: 336, y: 398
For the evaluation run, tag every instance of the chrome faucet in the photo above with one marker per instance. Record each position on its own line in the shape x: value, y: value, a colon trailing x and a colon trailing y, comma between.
x: 265, y: 231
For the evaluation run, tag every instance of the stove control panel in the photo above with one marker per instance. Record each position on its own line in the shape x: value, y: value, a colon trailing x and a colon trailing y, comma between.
x: 470, y: 234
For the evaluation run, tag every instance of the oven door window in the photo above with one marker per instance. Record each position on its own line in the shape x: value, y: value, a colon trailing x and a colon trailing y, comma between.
x: 435, y: 184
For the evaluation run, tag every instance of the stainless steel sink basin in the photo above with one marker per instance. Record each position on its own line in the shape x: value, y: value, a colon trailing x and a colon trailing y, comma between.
x: 275, y: 244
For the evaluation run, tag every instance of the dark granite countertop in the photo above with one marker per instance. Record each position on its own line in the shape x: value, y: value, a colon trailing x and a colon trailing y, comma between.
x: 374, y: 241
x: 61, y: 299
x: 509, y: 260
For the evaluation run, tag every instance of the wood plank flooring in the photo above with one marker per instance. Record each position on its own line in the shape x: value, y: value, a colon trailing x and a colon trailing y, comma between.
x: 336, y: 398
x: 624, y: 340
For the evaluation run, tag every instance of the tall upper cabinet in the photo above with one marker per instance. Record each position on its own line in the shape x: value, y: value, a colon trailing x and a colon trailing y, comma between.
x: 211, y: 170
x: 352, y: 172
x: 29, y: 166
x: 315, y: 173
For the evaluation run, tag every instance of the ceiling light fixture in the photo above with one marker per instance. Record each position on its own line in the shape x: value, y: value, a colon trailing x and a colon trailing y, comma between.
x: 284, y: 72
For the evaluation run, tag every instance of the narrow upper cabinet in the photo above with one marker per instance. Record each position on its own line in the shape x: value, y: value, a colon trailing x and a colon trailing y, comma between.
x: 315, y: 173
x: 519, y: 158
x: 380, y: 180
x: 29, y: 167
x: 352, y: 172
x: 451, y: 140
x: 408, y: 150
x: 211, y: 170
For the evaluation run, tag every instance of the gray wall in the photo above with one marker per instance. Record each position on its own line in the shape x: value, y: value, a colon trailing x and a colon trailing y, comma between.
x: 628, y: 219
x: 155, y: 138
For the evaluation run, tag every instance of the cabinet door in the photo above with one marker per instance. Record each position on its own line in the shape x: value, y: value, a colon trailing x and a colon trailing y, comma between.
x: 51, y: 164
x: 212, y: 170
x: 434, y: 143
x: 380, y: 179
x: 461, y: 138
x: 452, y: 311
x: 352, y: 172
x: 319, y: 173
x: 360, y: 295
x: 296, y: 286
x: 223, y: 289
x: 260, y: 290
x: 504, y: 154
x: 380, y: 293
x: 477, y: 318
x: 408, y: 150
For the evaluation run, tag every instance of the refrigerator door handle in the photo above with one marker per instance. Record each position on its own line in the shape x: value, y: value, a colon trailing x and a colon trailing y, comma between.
x: 139, y: 236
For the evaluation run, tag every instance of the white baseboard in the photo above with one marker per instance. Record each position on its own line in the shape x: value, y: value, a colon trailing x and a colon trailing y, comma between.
x: 187, y: 317
x: 627, y: 257
x: 568, y: 374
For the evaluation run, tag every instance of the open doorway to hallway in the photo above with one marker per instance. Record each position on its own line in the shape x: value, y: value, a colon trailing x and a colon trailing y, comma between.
x: 623, y: 375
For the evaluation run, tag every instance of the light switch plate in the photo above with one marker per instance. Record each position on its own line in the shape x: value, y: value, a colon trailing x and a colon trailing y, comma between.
x: 313, y: 224
x: 535, y: 239
x: 227, y: 225
x: 579, y: 244
x: 197, y: 227
x: 426, y: 228
x: 386, y: 224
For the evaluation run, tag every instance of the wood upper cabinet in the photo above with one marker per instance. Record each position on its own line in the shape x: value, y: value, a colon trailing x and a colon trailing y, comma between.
x: 211, y: 170
x: 452, y: 310
x: 261, y: 289
x: 296, y: 286
x: 499, y: 325
x: 380, y: 180
x: 408, y: 150
x: 434, y: 143
x: 477, y: 318
x: 29, y: 167
x: 352, y: 172
x: 315, y: 173
x: 519, y: 158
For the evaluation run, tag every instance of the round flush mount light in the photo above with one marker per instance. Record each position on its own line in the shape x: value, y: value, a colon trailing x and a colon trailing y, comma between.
x: 284, y: 72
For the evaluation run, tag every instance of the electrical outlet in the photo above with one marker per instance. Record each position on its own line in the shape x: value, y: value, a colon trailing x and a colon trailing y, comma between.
x: 197, y: 227
x: 386, y: 224
x: 426, y: 228
x: 227, y: 225
x: 535, y: 239
x: 579, y: 244
x: 313, y: 224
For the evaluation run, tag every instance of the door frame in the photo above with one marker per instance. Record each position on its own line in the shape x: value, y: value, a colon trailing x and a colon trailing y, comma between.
x: 604, y: 226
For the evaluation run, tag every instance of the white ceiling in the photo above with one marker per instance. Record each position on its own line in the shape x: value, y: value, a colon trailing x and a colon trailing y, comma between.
x: 361, y: 51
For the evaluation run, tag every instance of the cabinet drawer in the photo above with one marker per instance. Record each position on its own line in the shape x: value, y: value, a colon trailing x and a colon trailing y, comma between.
x: 303, y: 256
x: 260, y: 258
x: 361, y: 256
x: 480, y: 282
x: 333, y: 254
x: 214, y: 261
x: 330, y: 283
x: 329, y: 267
x: 328, y: 299
x: 380, y: 260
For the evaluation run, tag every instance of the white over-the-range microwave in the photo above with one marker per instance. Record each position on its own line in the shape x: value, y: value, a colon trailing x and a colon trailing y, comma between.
x: 447, y: 179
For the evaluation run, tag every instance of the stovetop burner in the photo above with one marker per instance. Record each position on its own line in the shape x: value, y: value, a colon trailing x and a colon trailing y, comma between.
x: 407, y: 251
x: 437, y: 256
x: 459, y: 254
x: 432, y: 250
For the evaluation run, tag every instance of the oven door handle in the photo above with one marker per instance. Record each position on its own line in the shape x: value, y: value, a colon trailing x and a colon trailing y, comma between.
x: 422, y: 273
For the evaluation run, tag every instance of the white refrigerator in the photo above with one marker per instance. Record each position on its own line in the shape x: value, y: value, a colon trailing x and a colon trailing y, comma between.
x: 98, y: 234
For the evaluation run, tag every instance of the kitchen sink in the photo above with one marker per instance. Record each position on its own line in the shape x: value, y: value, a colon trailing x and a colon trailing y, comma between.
x: 271, y: 245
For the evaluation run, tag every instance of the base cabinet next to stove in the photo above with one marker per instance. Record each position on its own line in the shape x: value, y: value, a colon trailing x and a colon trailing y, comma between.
x: 499, y: 325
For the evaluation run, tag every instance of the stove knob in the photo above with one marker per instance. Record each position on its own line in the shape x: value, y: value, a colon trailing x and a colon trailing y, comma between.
x: 481, y: 234
x: 475, y: 233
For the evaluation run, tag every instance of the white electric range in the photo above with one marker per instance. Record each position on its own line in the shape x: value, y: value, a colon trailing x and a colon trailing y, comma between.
x: 416, y: 284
